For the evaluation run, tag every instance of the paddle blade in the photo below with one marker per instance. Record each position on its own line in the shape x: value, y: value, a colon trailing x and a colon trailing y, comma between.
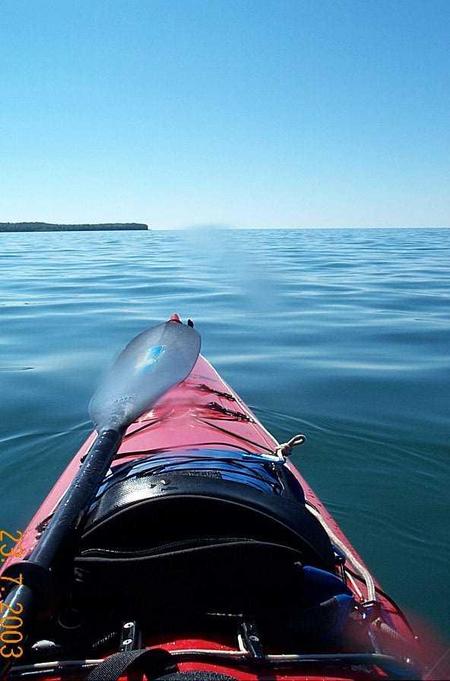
x: 152, y: 363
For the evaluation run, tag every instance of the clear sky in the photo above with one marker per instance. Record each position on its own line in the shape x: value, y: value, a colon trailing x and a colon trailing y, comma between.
x: 253, y: 113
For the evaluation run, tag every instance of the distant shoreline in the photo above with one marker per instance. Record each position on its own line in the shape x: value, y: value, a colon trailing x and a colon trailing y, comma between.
x: 49, y: 227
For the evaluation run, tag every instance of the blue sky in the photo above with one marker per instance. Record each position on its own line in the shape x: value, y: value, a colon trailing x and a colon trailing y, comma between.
x: 254, y: 113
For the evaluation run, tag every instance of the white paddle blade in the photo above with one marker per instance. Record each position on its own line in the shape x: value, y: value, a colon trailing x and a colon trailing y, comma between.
x: 152, y: 363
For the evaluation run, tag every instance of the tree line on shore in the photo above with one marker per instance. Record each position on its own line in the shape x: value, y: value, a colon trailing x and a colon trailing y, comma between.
x: 48, y: 227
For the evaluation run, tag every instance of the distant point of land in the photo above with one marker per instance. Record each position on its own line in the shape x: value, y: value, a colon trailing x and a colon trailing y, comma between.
x: 48, y: 227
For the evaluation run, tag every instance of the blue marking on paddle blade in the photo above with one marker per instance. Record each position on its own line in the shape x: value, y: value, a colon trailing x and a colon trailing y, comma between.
x: 152, y: 357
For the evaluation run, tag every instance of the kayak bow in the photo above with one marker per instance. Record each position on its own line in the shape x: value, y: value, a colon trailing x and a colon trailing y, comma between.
x: 203, y: 554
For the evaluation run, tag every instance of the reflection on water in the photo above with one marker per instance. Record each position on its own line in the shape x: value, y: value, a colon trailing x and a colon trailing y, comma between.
x: 341, y: 334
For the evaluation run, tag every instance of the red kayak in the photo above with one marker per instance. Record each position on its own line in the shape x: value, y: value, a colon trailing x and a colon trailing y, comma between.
x: 204, y: 555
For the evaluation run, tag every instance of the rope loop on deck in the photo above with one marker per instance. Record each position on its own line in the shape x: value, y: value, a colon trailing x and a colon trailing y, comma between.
x: 285, y: 449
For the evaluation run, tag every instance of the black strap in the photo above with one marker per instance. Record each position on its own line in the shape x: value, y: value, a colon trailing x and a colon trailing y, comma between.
x: 114, y: 666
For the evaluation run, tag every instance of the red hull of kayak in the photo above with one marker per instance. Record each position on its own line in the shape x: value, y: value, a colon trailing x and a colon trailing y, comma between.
x: 204, y: 411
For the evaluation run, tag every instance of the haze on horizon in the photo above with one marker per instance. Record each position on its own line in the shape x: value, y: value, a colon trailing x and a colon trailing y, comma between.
x: 282, y: 113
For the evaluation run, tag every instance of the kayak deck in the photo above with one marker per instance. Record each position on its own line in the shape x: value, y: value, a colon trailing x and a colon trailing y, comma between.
x: 201, y: 412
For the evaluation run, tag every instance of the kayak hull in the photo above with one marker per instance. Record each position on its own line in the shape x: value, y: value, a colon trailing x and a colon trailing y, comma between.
x: 201, y: 412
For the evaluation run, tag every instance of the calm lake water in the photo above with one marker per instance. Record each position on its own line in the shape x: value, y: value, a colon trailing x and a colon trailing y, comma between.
x: 341, y: 334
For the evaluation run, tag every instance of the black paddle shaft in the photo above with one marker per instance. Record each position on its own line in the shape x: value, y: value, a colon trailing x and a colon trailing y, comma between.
x: 77, y: 498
